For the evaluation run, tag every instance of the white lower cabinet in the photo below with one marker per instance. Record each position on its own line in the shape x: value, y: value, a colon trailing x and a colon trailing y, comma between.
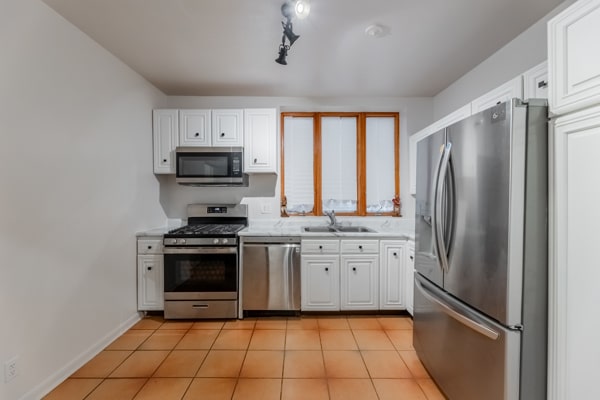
x: 150, y: 282
x: 328, y: 285
x: 320, y: 281
x: 392, y: 275
x: 359, y: 278
x: 150, y: 275
x: 410, y: 277
x: 353, y: 274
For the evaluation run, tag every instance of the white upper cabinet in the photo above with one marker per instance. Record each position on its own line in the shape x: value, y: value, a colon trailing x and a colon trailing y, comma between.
x: 194, y: 128
x: 535, y: 82
x: 505, y: 92
x: 165, y: 139
x: 227, y: 128
x: 449, y: 119
x: 573, y: 345
x: 260, y: 140
x: 573, y: 56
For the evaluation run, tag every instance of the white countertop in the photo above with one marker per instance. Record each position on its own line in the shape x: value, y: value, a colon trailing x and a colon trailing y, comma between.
x: 395, y: 228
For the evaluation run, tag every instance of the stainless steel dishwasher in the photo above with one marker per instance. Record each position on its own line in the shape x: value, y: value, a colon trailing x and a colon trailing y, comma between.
x: 271, y: 273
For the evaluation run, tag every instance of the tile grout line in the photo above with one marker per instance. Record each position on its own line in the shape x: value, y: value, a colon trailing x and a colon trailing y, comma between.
x: 365, y: 364
x: 116, y: 367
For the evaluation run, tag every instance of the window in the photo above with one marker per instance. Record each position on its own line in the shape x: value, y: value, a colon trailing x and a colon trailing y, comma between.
x: 346, y: 162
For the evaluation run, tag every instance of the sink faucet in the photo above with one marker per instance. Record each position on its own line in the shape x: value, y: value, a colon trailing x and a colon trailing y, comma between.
x: 331, y: 215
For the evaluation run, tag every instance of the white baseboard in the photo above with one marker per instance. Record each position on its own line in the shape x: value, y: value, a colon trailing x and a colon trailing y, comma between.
x: 63, y: 373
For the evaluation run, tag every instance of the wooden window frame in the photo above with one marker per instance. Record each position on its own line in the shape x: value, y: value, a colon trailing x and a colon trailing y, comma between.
x: 361, y: 160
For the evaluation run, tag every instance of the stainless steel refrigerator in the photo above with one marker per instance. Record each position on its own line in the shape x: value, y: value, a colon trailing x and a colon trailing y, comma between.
x: 480, y: 299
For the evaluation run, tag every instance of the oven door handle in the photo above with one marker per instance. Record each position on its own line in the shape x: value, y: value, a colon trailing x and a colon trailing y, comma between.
x: 199, y: 250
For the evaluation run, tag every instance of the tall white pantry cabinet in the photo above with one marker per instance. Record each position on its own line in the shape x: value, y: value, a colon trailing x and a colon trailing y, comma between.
x: 574, y: 279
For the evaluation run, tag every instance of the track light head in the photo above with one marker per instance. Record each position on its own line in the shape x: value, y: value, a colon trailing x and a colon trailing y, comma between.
x: 282, y: 55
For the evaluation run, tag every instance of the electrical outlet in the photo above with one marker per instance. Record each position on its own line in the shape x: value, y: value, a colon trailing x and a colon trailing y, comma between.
x: 265, y: 208
x: 10, y: 369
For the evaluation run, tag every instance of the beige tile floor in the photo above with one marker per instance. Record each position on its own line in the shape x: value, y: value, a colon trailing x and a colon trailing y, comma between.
x: 329, y: 357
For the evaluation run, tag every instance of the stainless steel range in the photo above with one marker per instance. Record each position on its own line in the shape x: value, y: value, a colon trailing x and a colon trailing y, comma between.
x: 201, y: 263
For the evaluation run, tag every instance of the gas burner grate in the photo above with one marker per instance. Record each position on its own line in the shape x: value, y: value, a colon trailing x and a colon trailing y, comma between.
x: 207, y: 229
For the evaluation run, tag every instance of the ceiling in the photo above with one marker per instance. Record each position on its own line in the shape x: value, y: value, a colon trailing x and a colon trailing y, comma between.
x: 228, y: 47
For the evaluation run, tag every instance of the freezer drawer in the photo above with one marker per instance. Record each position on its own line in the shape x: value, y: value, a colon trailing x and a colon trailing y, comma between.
x: 469, y: 356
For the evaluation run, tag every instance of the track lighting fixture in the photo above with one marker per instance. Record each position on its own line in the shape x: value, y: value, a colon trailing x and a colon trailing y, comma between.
x: 289, y: 9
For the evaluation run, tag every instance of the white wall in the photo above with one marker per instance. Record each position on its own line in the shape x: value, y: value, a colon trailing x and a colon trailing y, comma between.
x: 415, y: 113
x: 76, y: 183
x: 522, y: 53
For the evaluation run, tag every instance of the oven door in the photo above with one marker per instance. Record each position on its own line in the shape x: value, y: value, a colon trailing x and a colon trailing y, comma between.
x: 204, y: 273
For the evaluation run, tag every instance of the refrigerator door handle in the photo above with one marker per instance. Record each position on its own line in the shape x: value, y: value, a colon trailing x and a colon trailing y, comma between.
x: 439, y: 229
x: 476, y: 326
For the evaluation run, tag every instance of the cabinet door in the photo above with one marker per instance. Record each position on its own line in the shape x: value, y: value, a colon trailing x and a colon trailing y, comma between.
x: 392, y: 285
x: 194, y: 128
x: 150, y: 282
x: 359, y: 280
x: 535, y: 82
x: 227, y: 128
x: 573, y: 57
x: 449, y: 119
x: 505, y: 92
x: 410, y: 278
x: 320, y: 282
x: 260, y: 140
x: 165, y: 138
x: 574, y: 349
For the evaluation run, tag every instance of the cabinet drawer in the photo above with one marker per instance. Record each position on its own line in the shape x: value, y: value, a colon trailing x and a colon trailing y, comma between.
x: 320, y: 246
x: 149, y: 246
x: 360, y: 246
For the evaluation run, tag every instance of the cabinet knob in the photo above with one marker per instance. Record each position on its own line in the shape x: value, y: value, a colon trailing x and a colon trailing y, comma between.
x: 320, y: 247
x: 164, y: 160
x: 412, y: 258
x: 255, y: 160
x: 197, y: 134
x: 222, y: 134
x: 326, y: 269
x: 360, y: 247
x: 542, y: 84
x: 354, y: 269
x: 149, y: 247
x: 395, y: 254
x: 149, y: 268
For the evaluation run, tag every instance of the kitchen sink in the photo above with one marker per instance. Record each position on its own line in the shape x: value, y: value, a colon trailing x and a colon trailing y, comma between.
x: 326, y: 229
x: 319, y: 229
x: 354, y: 229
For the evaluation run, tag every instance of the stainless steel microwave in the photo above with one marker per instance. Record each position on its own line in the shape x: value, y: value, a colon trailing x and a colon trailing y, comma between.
x: 210, y: 166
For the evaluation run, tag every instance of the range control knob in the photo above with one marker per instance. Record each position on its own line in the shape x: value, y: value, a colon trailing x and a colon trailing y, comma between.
x: 225, y: 241
x: 216, y: 241
x: 180, y: 241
